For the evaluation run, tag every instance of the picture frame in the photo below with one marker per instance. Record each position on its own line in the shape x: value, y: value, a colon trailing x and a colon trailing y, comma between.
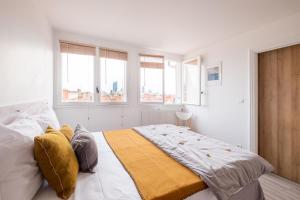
x: 214, y: 74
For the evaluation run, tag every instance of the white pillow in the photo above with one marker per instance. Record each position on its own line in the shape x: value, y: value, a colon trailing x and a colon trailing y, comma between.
x: 44, y: 115
x: 9, y: 118
x: 45, y: 119
x: 39, y: 111
x: 20, y: 177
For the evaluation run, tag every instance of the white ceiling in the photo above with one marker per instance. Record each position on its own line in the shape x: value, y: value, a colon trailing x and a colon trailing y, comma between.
x: 174, y: 26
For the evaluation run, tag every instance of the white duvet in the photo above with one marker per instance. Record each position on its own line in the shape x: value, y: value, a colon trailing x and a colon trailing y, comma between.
x: 224, y: 168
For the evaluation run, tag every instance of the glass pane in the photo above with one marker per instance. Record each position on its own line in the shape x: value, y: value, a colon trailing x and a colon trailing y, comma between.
x: 113, y: 80
x: 172, y: 83
x: 77, y: 78
x: 151, y: 85
x: 191, y: 83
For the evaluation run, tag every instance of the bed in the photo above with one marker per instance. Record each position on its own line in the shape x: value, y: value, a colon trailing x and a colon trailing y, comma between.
x: 112, y: 182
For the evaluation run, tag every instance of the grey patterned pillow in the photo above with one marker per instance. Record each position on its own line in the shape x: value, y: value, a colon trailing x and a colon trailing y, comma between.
x: 80, y: 129
x: 85, y: 148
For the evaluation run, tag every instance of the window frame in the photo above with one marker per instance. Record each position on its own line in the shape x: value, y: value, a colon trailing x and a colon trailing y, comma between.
x: 177, y: 81
x: 57, y: 78
x: 166, y: 58
x: 98, y: 96
x: 198, y: 58
x: 139, y: 82
x: 57, y: 75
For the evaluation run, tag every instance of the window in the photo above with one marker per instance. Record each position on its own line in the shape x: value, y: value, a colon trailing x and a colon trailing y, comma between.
x: 113, y: 76
x: 172, y: 92
x: 191, y: 82
x: 151, y: 78
x: 77, y: 72
x: 85, y: 69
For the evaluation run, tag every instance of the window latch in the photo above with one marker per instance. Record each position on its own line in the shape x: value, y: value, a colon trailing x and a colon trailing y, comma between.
x: 97, y: 90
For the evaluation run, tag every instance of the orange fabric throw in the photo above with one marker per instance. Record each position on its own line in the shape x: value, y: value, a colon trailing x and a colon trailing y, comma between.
x: 156, y: 175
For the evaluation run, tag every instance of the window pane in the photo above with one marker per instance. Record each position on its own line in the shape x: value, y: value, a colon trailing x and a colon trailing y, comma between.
x: 191, y: 83
x: 151, y: 85
x: 172, y: 83
x: 77, y: 77
x: 113, y: 80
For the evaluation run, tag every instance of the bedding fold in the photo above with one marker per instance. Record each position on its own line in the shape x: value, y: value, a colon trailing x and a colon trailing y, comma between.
x: 157, y: 176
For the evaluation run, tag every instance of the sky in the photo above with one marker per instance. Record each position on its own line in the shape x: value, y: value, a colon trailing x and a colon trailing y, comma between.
x: 77, y: 72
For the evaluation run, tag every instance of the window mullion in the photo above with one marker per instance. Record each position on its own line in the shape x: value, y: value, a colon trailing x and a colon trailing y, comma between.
x: 163, y: 84
x: 97, y: 77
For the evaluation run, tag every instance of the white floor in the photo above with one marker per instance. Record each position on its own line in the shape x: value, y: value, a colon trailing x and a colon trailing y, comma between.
x: 278, y: 188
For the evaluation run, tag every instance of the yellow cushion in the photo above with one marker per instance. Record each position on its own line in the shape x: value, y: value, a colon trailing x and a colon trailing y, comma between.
x: 66, y: 130
x: 57, y: 162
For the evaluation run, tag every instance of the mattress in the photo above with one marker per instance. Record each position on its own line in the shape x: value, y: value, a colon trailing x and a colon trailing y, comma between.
x: 111, y: 181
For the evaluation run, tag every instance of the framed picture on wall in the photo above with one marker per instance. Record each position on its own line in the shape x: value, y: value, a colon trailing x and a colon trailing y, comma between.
x: 214, y: 74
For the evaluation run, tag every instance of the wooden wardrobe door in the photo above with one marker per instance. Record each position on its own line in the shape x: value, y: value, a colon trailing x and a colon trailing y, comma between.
x: 267, y: 106
x: 279, y: 110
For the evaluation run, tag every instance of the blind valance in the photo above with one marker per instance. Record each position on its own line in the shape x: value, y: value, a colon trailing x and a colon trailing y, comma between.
x: 67, y: 47
x: 113, y: 54
x: 151, y: 61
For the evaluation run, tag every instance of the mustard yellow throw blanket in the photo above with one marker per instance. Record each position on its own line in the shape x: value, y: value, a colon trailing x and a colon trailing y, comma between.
x: 156, y: 175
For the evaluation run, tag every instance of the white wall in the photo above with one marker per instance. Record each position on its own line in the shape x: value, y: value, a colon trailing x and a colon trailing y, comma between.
x: 26, y: 59
x: 107, y: 117
x: 225, y: 117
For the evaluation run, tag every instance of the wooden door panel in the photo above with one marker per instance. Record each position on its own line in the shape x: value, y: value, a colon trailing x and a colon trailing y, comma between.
x: 268, y: 107
x: 285, y: 111
x: 279, y: 110
x: 296, y: 115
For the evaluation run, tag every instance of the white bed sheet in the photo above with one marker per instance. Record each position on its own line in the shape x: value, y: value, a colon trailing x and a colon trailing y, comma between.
x: 109, y: 182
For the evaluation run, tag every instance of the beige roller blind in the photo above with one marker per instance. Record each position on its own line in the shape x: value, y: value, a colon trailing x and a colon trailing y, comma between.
x: 151, y: 61
x: 113, y: 54
x: 67, y: 47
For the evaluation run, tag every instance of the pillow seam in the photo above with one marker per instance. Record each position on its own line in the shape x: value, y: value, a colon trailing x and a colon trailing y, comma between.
x: 53, y: 168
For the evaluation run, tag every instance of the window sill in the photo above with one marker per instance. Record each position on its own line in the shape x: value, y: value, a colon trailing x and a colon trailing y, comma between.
x: 103, y: 105
x: 88, y: 105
